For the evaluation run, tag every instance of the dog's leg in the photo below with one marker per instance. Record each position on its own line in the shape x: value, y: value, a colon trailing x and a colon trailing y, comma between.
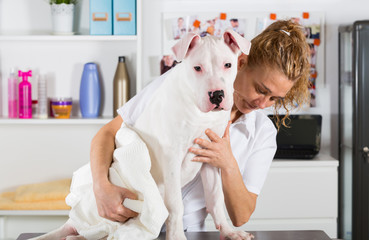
x: 173, y: 201
x: 61, y: 233
x: 214, y: 199
x: 78, y: 237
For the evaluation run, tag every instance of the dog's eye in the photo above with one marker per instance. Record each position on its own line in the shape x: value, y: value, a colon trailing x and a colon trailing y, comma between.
x: 197, y: 68
x: 228, y: 65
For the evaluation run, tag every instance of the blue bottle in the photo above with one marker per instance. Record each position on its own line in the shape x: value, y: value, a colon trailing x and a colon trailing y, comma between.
x: 90, y: 92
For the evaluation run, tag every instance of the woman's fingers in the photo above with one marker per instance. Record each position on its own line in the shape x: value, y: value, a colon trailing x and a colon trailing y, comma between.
x: 201, y: 159
x: 212, y: 135
x: 119, y: 218
x: 216, y: 151
x: 110, y: 203
x: 226, y: 132
x: 124, y: 214
x: 201, y: 152
x: 203, y: 143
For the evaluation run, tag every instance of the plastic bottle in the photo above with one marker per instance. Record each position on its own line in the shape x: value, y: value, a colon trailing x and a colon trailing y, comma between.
x: 42, y: 97
x: 12, y: 94
x: 121, y: 85
x: 90, y: 92
x: 25, y: 95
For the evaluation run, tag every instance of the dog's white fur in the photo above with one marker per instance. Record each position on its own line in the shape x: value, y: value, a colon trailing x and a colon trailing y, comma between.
x: 179, y: 112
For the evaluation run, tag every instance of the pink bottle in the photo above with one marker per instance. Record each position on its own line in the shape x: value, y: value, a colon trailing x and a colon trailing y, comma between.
x: 12, y: 95
x: 25, y: 95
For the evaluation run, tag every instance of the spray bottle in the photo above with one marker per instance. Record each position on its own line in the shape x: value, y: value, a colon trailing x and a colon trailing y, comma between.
x: 12, y: 94
x: 25, y: 95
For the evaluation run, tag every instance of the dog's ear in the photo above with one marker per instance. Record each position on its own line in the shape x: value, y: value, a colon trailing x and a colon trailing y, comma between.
x: 236, y: 42
x: 184, y: 45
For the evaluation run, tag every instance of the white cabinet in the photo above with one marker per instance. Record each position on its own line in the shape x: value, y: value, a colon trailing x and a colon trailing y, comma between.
x: 13, y: 223
x: 297, y: 195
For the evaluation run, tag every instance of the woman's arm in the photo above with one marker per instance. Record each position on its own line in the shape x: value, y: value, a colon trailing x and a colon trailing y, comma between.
x: 239, y: 201
x: 109, y: 198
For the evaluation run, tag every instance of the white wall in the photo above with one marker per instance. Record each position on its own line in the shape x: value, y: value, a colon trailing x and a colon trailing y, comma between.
x: 337, y: 12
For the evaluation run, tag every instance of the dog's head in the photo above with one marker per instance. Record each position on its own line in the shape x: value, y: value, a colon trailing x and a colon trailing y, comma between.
x: 211, y: 67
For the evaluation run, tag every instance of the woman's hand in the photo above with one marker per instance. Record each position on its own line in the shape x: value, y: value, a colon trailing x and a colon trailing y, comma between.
x: 109, y: 200
x: 217, y: 152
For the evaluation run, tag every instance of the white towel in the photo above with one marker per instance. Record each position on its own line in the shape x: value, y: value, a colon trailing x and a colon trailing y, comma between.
x: 130, y: 169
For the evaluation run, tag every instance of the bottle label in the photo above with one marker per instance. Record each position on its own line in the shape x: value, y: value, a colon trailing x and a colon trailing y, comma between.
x: 12, y: 113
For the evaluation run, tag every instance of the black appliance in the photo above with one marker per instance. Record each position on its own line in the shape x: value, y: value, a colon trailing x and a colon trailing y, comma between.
x: 301, y: 138
x: 354, y: 131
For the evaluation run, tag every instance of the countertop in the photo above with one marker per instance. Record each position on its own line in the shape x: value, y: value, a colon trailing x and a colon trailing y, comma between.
x: 320, y: 160
x: 259, y: 235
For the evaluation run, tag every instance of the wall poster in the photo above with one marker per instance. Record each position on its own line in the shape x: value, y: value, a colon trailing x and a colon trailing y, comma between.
x: 247, y: 24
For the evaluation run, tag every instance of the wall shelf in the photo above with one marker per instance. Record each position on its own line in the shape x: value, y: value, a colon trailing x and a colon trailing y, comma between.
x: 34, y: 212
x: 49, y: 37
x: 53, y: 121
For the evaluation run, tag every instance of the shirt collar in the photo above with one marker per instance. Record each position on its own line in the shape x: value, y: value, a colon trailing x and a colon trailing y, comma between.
x: 247, y: 121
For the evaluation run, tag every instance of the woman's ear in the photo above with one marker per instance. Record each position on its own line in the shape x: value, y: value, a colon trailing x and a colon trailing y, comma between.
x: 242, y: 61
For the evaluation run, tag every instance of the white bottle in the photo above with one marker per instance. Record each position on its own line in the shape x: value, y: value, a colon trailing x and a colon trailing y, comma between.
x: 42, y: 97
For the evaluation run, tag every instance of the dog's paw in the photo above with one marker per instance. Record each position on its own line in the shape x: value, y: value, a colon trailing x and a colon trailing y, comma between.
x: 78, y: 237
x: 178, y: 236
x: 237, y: 235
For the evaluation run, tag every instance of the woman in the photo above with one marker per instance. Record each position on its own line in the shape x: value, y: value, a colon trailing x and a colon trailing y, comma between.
x: 274, y: 73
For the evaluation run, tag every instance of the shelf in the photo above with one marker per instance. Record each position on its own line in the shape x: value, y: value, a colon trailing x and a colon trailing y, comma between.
x: 49, y: 37
x: 34, y: 212
x: 53, y: 121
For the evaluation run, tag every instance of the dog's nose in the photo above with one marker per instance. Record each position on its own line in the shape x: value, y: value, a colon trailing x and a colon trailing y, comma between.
x: 216, y: 97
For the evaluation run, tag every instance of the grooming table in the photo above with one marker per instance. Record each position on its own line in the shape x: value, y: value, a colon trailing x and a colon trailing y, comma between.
x: 259, y: 235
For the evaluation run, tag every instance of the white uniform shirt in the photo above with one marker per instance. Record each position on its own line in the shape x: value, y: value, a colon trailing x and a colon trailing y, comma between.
x: 253, y: 142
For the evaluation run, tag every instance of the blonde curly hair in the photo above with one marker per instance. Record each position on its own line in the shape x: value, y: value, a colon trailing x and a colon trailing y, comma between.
x: 283, y: 47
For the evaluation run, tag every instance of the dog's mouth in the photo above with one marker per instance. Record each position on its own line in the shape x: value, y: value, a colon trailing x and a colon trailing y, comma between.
x: 217, y: 109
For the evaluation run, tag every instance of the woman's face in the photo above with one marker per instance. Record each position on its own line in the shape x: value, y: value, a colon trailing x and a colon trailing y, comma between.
x: 259, y: 87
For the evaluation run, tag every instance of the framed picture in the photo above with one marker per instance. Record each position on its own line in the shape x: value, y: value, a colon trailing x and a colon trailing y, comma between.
x: 312, y: 24
x: 176, y: 25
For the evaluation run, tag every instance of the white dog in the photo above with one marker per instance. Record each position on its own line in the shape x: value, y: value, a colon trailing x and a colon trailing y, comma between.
x: 198, y: 94
x: 195, y: 95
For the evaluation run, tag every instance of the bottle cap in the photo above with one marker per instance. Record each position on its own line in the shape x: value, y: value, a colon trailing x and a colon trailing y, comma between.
x: 122, y: 59
x: 25, y: 75
x: 91, y: 66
